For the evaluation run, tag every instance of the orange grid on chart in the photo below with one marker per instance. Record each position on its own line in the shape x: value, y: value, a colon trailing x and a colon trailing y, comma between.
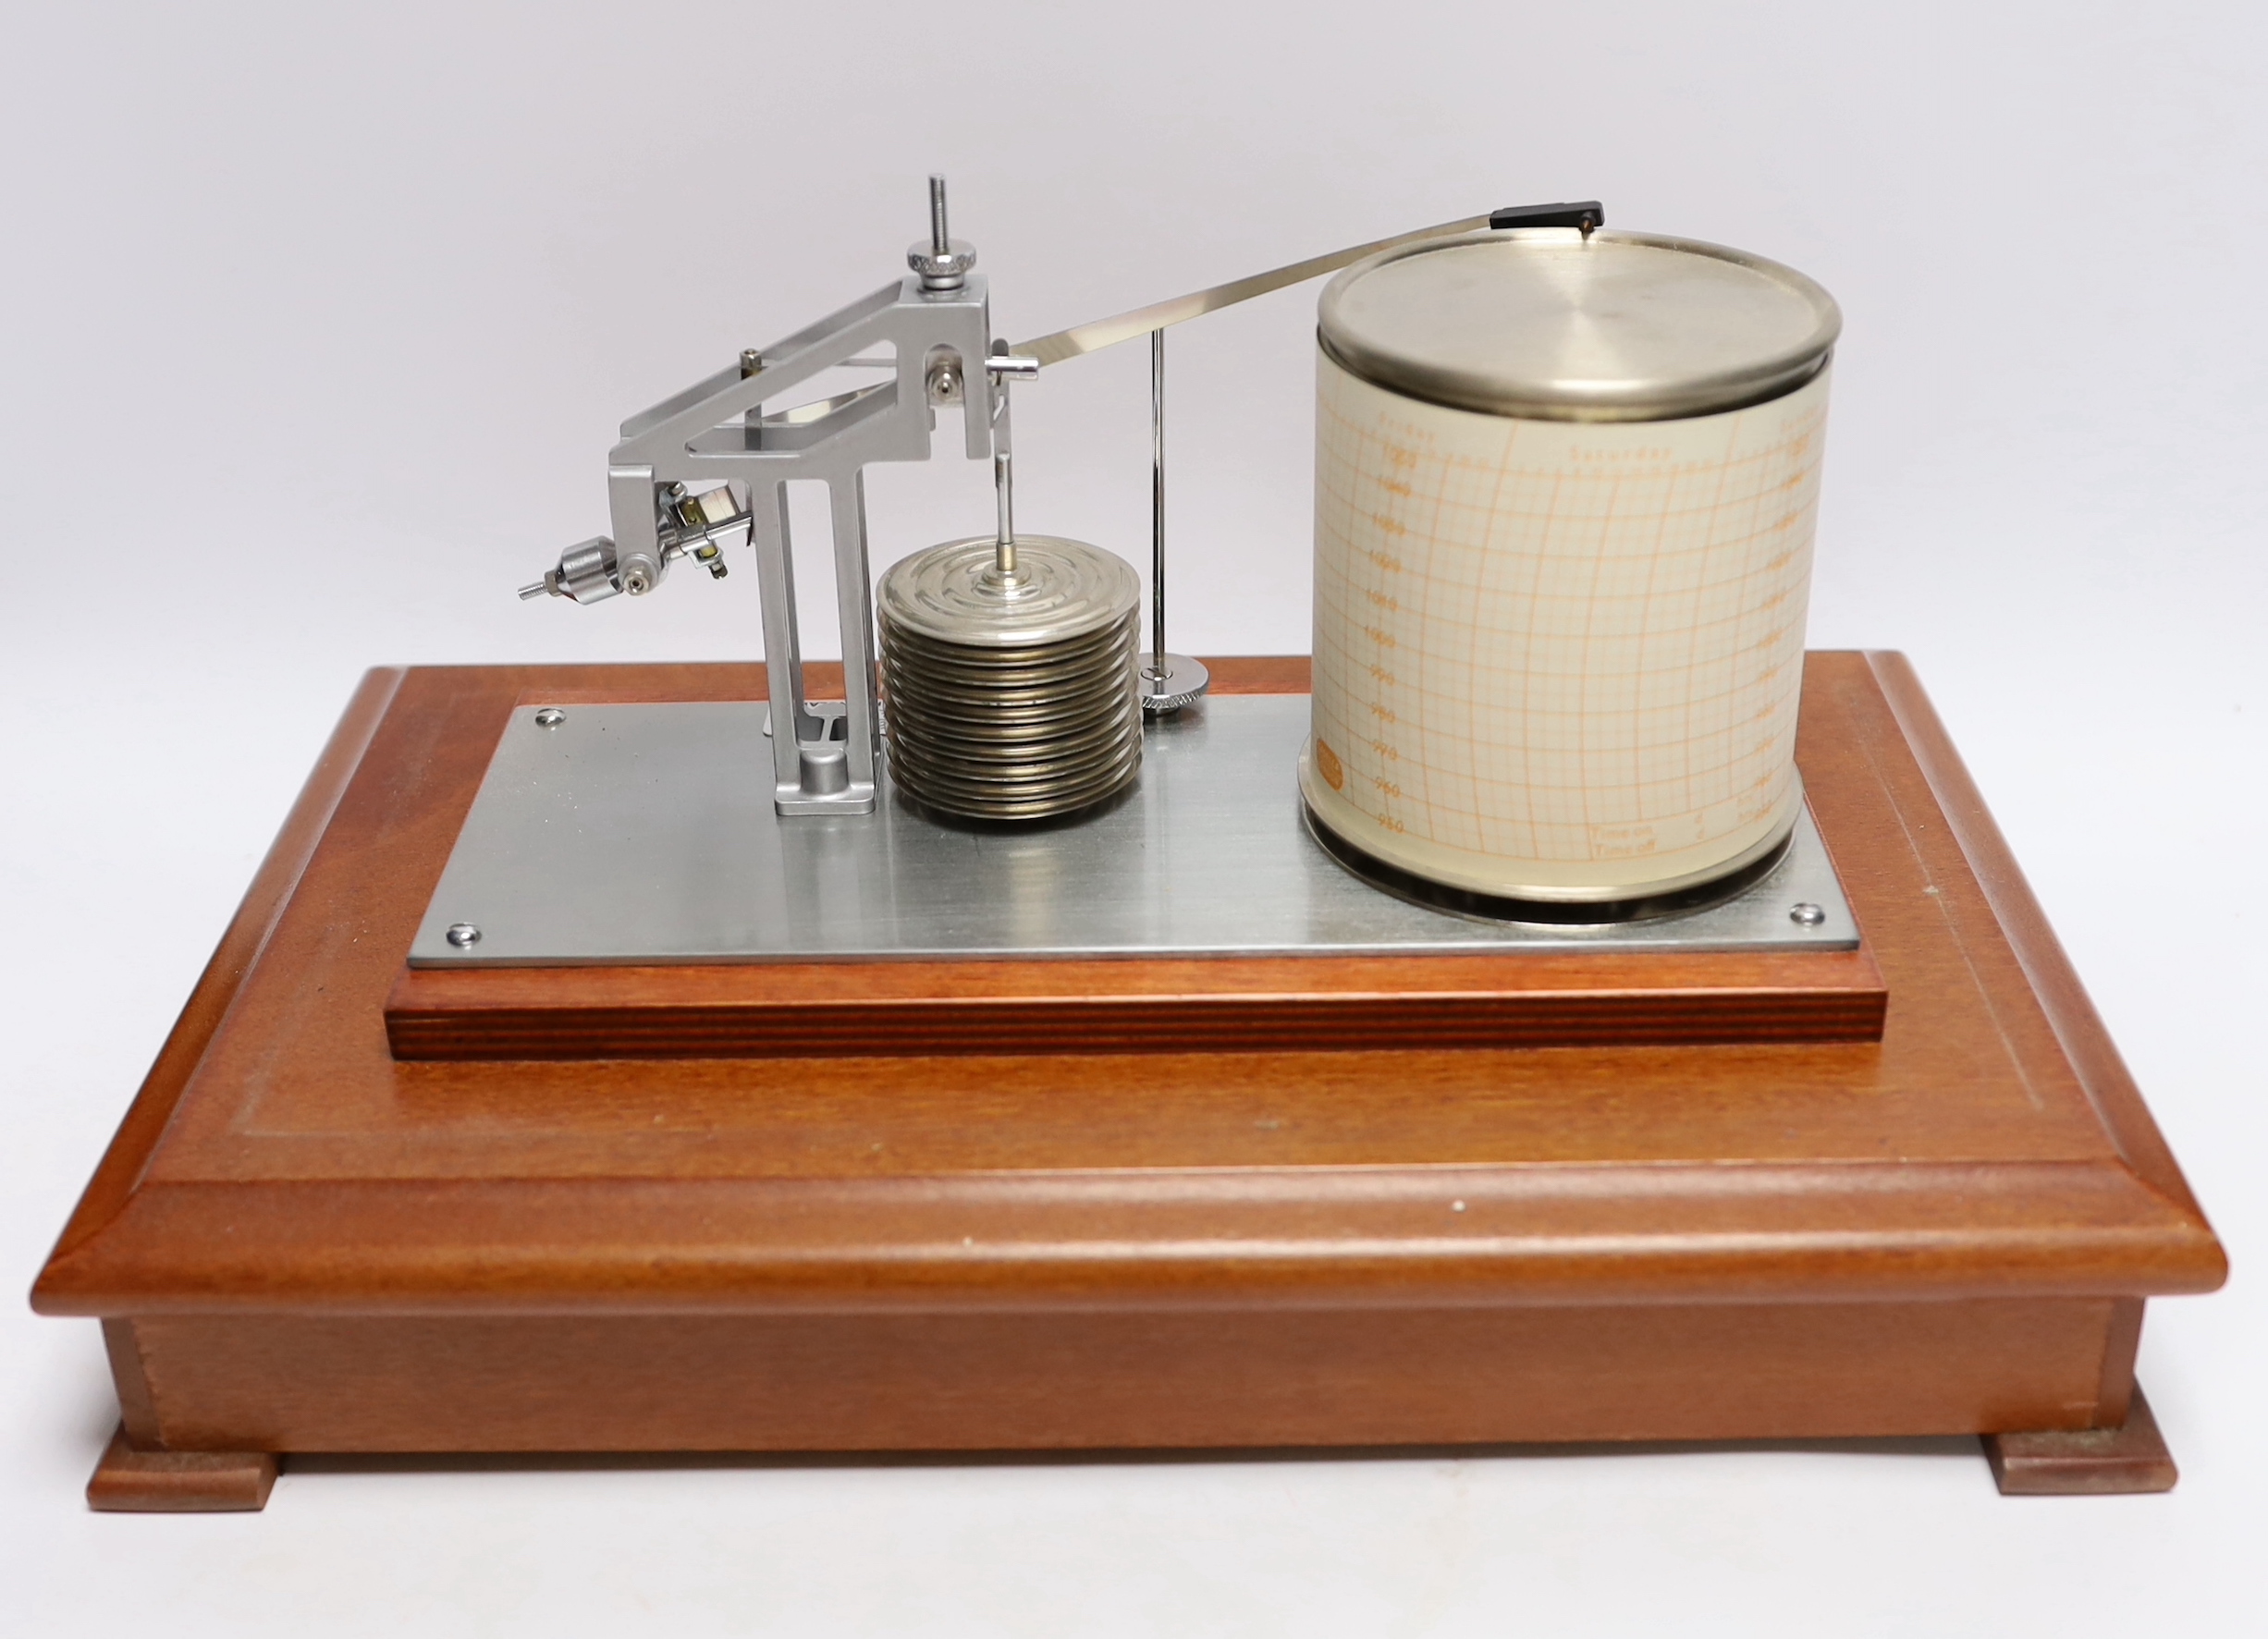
x: 1538, y: 640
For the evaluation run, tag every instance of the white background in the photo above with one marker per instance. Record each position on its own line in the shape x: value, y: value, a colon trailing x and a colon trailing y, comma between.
x: 316, y: 323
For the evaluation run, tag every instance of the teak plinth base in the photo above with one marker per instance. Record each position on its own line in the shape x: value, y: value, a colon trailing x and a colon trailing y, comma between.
x: 300, y: 1243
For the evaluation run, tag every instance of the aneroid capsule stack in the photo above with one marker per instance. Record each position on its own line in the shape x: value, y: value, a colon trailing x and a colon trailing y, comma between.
x: 1011, y: 693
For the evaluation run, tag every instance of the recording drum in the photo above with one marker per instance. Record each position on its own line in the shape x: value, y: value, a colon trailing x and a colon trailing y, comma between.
x: 1566, y: 491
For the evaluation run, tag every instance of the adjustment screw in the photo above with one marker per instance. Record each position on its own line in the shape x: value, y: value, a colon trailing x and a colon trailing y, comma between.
x: 1805, y: 915
x: 551, y: 717
x: 463, y: 934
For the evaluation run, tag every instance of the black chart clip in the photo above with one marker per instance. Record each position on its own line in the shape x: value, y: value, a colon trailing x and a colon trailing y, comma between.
x: 1584, y: 214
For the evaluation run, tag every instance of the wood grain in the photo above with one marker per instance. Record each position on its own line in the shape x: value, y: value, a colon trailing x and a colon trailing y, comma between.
x: 2052, y: 981
x: 240, y: 945
x: 301, y: 1242
x: 136, y: 1407
x: 131, y: 1479
x: 1216, y: 1005
x: 1088, y: 1377
x: 2125, y: 1457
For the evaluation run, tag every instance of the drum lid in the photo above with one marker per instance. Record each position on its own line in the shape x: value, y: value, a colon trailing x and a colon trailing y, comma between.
x: 1543, y: 322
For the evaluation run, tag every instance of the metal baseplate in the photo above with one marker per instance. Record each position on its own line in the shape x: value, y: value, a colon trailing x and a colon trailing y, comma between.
x: 646, y: 834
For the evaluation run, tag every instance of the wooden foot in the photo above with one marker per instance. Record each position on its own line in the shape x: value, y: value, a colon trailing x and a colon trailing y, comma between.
x: 2085, y: 1462
x: 131, y: 1479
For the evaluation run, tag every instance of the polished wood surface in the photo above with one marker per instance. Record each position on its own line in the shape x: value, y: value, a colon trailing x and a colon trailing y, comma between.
x: 1080, y: 1375
x: 311, y: 1245
x: 1205, y: 1005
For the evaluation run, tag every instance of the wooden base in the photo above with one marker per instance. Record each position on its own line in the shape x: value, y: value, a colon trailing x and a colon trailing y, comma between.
x: 1071, y: 1379
x: 2073, y: 1463
x: 298, y: 1242
x: 1215, y: 1004
x: 131, y: 1479
x: 2085, y: 1462
x: 2128, y: 1460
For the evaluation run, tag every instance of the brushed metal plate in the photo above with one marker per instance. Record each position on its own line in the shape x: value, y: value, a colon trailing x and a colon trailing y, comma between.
x: 639, y: 834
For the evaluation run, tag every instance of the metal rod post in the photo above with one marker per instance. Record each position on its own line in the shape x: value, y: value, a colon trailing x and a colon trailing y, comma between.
x: 939, y: 242
x: 1157, y: 503
x: 1003, y: 483
x: 1169, y: 681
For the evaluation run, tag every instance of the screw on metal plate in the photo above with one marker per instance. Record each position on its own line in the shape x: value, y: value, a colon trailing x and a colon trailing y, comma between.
x: 1805, y: 915
x: 463, y: 934
x: 551, y: 717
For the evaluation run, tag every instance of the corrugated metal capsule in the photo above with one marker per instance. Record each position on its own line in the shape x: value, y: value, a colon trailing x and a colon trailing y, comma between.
x: 1011, y: 698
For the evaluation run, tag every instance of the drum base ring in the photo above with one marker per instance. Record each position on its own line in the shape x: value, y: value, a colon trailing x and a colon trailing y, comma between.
x: 1481, y: 907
